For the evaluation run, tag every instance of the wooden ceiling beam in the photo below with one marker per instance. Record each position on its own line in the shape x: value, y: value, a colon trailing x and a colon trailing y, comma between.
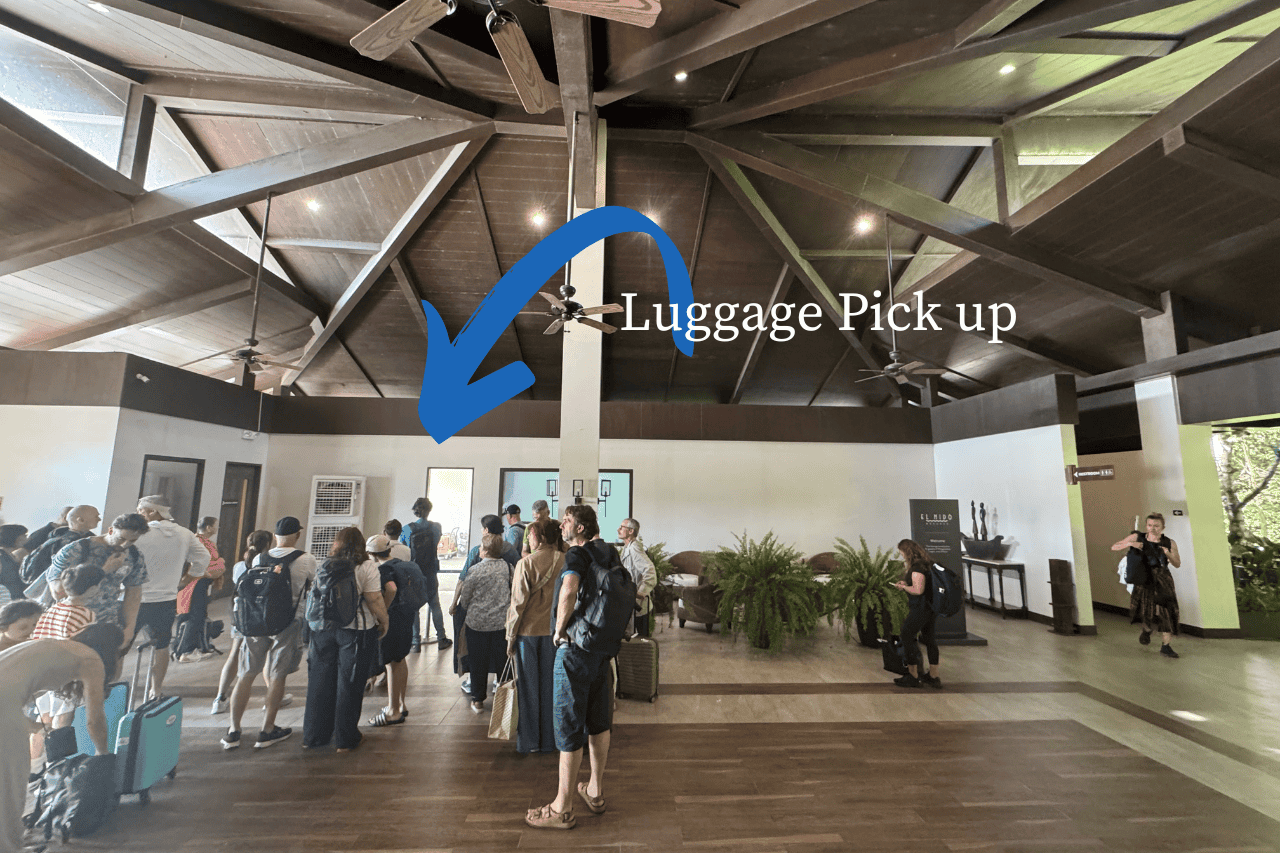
x: 904, y: 60
x: 571, y: 36
x: 942, y: 131
x: 1040, y: 352
x: 34, y: 134
x: 169, y: 310
x: 1205, y: 34
x: 1103, y: 44
x: 489, y: 248
x: 237, y: 96
x: 449, y: 172
x: 411, y: 292
x: 1248, y: 349
x: 1148, y: 137
x: 754, y: 23
x: 693, y: 271
x: 994, y: 16
x: 757, y: 343
x: 266, y: 37
x: 71, y: 48
x: 135, y: 137
x: 925, y: 213
x: 360, y: 367
x: 231, y: 188
x: 826, y: 380
x: 307, y: 244
x: 748, y: 198
x: 1223, y: 162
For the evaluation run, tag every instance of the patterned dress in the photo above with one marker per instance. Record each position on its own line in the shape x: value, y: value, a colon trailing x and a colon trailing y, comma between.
x: 1155, y: 603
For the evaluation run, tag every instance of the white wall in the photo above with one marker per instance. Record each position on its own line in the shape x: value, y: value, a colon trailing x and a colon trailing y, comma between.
x: 692, y: 495
x: 1109, y: 508
x: 1021, y: 474
x: 141, y: 434
x: 54, y: 456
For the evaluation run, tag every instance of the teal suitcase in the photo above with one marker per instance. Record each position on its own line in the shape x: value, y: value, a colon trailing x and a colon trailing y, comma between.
x: 116, y: 705
x: 148, y: 741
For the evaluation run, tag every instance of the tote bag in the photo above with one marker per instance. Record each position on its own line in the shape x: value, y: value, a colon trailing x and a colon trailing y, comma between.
x: 506, y: 714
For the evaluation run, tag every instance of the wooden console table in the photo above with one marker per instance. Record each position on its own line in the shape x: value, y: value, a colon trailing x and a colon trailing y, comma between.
x: 999, y: 567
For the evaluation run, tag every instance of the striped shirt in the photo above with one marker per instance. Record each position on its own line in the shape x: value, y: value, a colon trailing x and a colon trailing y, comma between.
x: 62, y: 621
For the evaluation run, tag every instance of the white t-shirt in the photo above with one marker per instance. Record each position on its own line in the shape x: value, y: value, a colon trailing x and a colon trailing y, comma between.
x: 165, y: 549
x: 368, y: 579
x: 301, y: 571
x: 400, y: 551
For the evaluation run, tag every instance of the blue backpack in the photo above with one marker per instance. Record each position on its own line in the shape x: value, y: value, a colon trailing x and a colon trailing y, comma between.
x: 411, y: 586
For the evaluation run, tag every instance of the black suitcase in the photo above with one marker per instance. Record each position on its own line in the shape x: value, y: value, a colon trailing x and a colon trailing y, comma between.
x: 638, y: 669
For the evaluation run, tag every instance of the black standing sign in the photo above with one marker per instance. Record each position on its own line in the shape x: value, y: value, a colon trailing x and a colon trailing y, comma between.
x: 935, y: 524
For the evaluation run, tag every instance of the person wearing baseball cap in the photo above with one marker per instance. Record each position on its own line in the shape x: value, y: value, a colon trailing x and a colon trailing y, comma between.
x: 395, y: 575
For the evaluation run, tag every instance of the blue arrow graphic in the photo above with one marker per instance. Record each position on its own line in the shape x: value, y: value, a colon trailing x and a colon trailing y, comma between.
x: 451, y: 364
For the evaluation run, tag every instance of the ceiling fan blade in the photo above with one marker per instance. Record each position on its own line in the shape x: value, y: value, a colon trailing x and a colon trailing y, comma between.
x: 554, y: 327
x: 868, y: 370
x: 398, y: 27
x: 899, y: 378
x: 552, y: 298
x: 267, y: 361
x: 596, y: 324
x: 640, y: 13
x: 934, y: 371
x: 603, y: 309
x: 522, y: 65
x: 877, y: 373
x: 907, y: 368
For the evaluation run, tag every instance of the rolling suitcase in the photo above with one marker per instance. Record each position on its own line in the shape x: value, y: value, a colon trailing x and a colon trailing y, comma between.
x: 638, y: 669
x: 148, y: 740
x: 116, y: 705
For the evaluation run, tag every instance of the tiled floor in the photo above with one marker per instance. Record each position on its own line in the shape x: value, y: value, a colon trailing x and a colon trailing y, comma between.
x: 1037, y: 742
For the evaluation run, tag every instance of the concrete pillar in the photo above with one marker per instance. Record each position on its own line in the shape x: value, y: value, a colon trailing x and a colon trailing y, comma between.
x: 582, y: 361
x: 1182, y: 484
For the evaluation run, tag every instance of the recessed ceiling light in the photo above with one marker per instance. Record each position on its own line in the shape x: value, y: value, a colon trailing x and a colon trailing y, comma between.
x: 652, y: 215
x: 1008, y: 69
x: 538, y: 218
x: 681, y: 76
x: 864, y: 225
x: 1188, y: 715
x: 98, y: 7
x: 313, y: 205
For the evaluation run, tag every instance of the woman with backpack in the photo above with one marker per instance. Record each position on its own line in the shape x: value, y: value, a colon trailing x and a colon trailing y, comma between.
x: 1154, y: 602
x: 920, y: 617
x: 347, y: 617
x: 257, y: 542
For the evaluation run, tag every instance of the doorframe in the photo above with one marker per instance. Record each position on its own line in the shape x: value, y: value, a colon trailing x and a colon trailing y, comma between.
x: 199, y: 488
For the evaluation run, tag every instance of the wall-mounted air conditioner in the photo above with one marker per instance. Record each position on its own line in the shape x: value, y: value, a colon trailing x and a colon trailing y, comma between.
x: 336, y: 502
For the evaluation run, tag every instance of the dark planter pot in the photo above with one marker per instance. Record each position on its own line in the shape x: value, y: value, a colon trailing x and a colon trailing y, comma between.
x: 1260, y: 626
x: 869, y: 634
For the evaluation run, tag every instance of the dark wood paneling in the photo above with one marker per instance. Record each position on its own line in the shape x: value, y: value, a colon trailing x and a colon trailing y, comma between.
x: 1248, y: 390
x: 1040, y: 402
x: 1108, y: 423
x: 60, y: 378
x: 181, y: 394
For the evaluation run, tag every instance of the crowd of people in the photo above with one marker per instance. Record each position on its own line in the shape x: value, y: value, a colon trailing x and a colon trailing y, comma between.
x: 74, y: 602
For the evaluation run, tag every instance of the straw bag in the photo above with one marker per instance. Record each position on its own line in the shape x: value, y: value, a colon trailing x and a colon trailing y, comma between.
x: 506, y: 714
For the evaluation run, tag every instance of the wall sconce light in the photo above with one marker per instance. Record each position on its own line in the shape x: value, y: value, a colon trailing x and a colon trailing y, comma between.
x: 551, y: 488
x: 577, y: 488
x: 605, y: 487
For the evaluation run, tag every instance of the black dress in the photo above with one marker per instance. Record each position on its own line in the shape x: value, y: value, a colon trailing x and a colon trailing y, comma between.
x: 1155, y: 603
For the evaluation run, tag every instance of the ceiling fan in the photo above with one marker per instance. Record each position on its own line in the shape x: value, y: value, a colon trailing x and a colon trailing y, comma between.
x: 565, y: 310
x: 399, y: 27
x: 897, y: 370
x: 249, y: 357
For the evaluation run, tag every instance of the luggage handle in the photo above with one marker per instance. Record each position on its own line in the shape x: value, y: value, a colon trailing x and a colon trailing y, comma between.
x: 137, y: 668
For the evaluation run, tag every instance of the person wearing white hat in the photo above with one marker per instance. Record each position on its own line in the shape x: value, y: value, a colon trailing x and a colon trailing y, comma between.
x: 396, y: 575
x: 174, y: 556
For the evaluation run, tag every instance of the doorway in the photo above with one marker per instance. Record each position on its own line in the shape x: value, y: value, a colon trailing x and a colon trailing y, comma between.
x: 239, y: 513
x: 178, y: 481
x: 449, y: 490
x: 523, y: 486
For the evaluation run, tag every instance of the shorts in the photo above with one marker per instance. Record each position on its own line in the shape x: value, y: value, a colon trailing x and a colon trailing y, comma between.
x: 280, y: 655
x: 582, y: 692
x: 399, y: 639
x: 157, y: 618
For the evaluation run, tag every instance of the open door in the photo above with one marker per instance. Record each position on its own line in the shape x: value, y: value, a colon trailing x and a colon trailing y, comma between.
x: 239, y: 515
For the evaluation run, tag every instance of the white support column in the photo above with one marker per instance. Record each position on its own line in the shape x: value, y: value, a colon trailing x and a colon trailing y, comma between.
x: 1180, y: 478
x: 583, y: 350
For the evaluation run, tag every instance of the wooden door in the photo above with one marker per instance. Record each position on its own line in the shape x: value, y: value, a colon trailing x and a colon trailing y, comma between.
x: 239, y: 515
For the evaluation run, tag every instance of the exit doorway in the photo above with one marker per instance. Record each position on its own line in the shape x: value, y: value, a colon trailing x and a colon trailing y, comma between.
x: 450, y: 490
x: 239, y: 512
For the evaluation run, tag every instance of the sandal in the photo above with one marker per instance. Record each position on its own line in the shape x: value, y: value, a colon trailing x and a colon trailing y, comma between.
x: 548, y: 818
x: 383, y: 720
x: 596, y: 805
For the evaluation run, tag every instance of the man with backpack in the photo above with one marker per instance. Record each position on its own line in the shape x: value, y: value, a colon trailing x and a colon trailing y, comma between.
x: 80, y: 523
x: 270, y: 597
x: 594, y: 599
x: 423, y: 539
x: 515, y: 527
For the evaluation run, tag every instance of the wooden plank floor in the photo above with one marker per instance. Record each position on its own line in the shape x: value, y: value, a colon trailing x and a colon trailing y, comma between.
x: 1039, y: 742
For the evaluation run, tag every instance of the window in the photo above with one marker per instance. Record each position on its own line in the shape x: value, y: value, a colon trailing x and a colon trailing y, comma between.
x: 522, y: 486
x: 179, y: 481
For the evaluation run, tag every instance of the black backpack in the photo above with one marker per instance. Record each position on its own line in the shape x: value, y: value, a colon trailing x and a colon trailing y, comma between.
x: 264, y: 597
x: 606, y: 600
x: 39, y: 560
x: 76, y: 796
x: 424, y: 539
x: 411, y: 586
x: 334, y: 600
x: 946, y: 592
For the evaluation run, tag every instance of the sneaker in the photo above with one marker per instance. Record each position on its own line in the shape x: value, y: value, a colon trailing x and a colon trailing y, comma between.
x: 271, y: 738
x: 444, y: 644
x: 221, y: 705
x: 908, y: 680
x: 1167, y: 651
x: 477, y: 707
x: 231, y: 740
x: 466, y: 686
x: 1145, y: 638
x: 935, y: 683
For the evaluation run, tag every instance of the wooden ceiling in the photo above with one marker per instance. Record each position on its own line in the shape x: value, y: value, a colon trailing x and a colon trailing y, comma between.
x: 1075, y: 159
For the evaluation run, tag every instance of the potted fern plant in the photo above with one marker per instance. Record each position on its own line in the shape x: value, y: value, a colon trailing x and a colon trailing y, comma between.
x: 662, y: 599
x: 861, y: 592
x: 769, y: 594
